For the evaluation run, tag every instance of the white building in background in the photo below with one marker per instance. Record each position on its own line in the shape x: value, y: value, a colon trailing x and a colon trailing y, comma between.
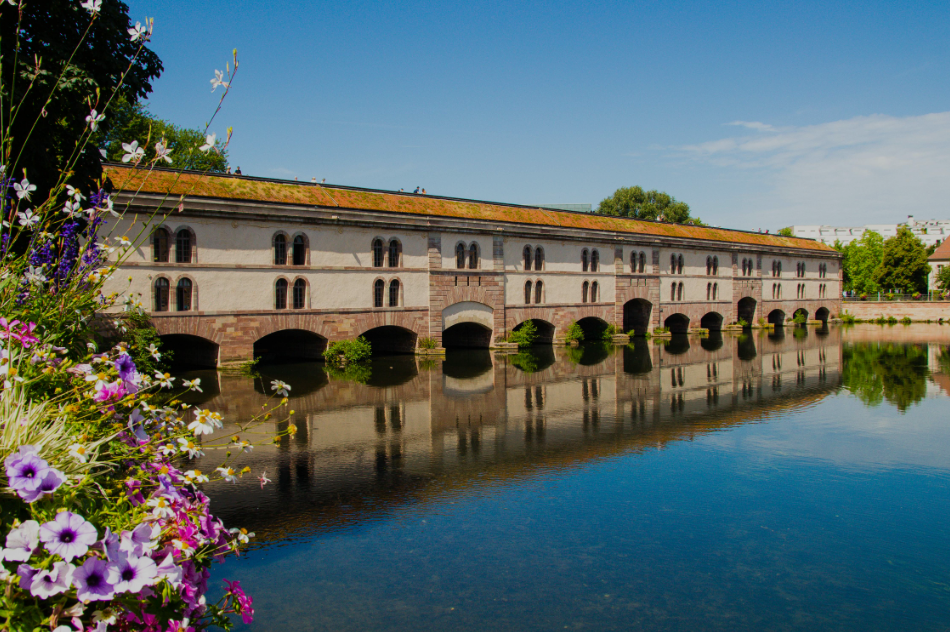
x: 931, y: 231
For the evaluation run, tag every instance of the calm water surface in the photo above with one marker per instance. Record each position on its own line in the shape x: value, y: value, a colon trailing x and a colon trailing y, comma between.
x: 797, y: 481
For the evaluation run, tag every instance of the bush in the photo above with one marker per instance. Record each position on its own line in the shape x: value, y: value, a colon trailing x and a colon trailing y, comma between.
x: 916, y: 296
x: 906, y: 320
x: 525, y: 335
x: 799, y: 319
x: 611, y: 331
x: 864, y: 297
x: 343, y: 352
x: 742, y: 322
x: 889, y: 296
x: 661, y: 330
x: 427, y: 343
x: 574, y: 333
x: 526, y: 361
x: 848, y: 319
x: 891, y: 320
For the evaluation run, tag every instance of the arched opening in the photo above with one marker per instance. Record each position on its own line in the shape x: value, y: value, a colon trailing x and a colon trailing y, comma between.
x: 539, y: 292
x: 527, y: 292
x: 637, y: 357
x: 746, y: 310
x: 161, y: 294
x: 394, y: 293
x: 300, y: 294
x: 389, y: 340
x: 459, y: 256
x: 160, y: 245
x: 594, y: 260
x: 183, y: 295
x: 190, y: 352
x: 300, y: 251
x: 776, y: 317
x: 544, y: 328
x: 677, y: 323
x: 377, y: 253
x: 636, y: 316
x: 539, y: 258
x: 822, y: 314
x: 800, y: 314
x: 280, y: 249
x: 280, y: 294
x: 378, y: 287
x: 290, y: 345
x: 712, y: 342
x: 473, y: 256
x: 183, y: 246
x: 527, y: 257
x: 395, y: 250
x: 711, y: 321
x: 592, y: 327
x: 466, y: 336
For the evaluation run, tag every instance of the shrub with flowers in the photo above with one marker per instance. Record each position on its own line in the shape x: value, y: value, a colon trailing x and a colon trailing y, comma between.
x: 103, y: 524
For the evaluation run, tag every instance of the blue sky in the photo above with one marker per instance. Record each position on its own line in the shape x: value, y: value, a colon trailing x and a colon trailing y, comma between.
x: 756, y: 114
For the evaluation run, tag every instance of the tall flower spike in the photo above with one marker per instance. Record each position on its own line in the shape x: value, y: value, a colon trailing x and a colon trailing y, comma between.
x: 209, y: 142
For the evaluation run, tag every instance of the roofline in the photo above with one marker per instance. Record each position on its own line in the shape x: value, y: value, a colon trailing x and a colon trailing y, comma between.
x: 427, y: 196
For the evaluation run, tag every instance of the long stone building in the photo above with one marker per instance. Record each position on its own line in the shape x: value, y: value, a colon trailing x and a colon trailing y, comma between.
x: 232, y: 267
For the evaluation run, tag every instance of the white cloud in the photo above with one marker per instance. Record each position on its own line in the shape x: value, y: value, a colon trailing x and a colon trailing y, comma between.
x: 861, y: 170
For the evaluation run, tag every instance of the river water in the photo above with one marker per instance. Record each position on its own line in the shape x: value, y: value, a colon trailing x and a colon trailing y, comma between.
x: 796, y: 481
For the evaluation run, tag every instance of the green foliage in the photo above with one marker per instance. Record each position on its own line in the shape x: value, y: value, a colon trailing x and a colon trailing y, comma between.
x: 877, y: 372
x: 661, y: 330
x: 651, y: 205
x: 904, y: 264
x: 943, y: 278
x: 574, y: 333
x: 427, y: 343
x: 742, y: 322
x: 799, y: 318
x: 906, y: 320
x: 574, y: 355
x: 786, y: 232
x: 133, y: 121
x: 525, y: 334
x: 611, y: 331
x: 346, y: 352
x: 526, y: 361
x: 848, y: 319
x: 142, y: 338
x: 359, y: 372
x: 891, y: 320
x: 862, y: 258
x: 426, y: 365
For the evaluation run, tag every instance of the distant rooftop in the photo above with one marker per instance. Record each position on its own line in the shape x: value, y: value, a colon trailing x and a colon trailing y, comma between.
x: 575, y: 208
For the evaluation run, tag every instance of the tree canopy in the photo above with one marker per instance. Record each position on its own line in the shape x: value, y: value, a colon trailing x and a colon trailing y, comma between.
x: 862, y: 257
x: 904, y: 264
x: 650, y: 205
x: 47, y: 36
x: 786, y: 232
x: 943, y: 278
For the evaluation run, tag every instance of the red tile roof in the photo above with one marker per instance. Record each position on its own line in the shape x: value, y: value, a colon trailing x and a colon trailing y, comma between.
x: 192, y: 184
x: 942, y: 253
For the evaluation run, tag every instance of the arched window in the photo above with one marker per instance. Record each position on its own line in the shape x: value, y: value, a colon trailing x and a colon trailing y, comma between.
x: 715, y: 266
x: 594, y: 261
x: 679, y: 292
x: 672, y: 264
x: 584, y: 264
x: 160, y: 246
x: 527, y: 257
x: 527, y: 292
x: 460, y: 256
x: 161, y: 294
x: 377, y: 253
x: 300, y: 294
x: 183, y: 295
x: 584, y: 289
x: 538, y: 291
x: 395, y: 249
x: 715, y: 291
x: 394, y: 293
x: 280, y: 294
x: 473, y: 256
x: 779, y: 272
x: 280, y: 250
x: 378, y: 288
x: 539, y: 258
x: 643, y: 261
x: 673, y: 292
x: 633, y: 262
x: 594, y: 287
x: 300, y: 251
x: 708, y: 291
x: 183, y: 246
x: 708, y: 266
x: 679, y: 265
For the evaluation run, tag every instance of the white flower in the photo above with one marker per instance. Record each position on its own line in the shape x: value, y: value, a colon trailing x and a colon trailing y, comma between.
x: 193, y: 385
x: 282, y: 388
x: 78, y: 452
x: 161, y: 508
x: 227, y: 473
x: 94, y: 119
x: 74, y: 193
x: 196, y: 476
x: 92, y: 6
x: 162, y: 152
x: 167, y: 450
x: 245, y: 446
x: 124, y: 241
x: 242, y: 535
x: 34, y: 275
x: 24, y: 189
x: 164, y: 379
x: 28, y: 218
x: 205, y: 423
x: 138, y: 31
x: 106, y: 205
x: 263, y: 479
x: 210, y: 140
x: 133, y: 152
x: 218, y: 80
x: 189, y: 446
x: 71, y: 208
x: 152, y: 349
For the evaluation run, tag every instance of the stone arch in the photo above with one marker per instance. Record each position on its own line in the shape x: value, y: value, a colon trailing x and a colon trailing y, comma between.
x: 822, y: 314
x: 190, y: 352
x: 391, y: 339
x: 637, y: 315
x: 711, y: 321
x: 776, y: 317
x: 593, y: 327
x: 466, y: 335
x: 545, y: 330
x: 746, y: 309
x: 290, y: 345
x: 468, y: 312
x: 677, y: 323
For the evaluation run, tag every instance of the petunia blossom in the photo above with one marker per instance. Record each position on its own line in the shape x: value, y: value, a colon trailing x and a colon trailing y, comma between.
x: 92, y: 581
x: 49, y: 483
x: 22, y: 541
x: 25, y: 469
x: 53, y: 581
x: 69, y: 535
x: 131, y: 574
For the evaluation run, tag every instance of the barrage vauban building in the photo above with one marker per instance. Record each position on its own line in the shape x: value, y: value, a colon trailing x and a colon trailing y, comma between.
x: 249, y: 267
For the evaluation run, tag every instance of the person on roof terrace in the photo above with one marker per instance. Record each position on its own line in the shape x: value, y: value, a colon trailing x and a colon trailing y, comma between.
x: 417, y: 190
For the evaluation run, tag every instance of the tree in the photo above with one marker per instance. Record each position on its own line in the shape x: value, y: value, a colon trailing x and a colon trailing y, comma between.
x: 786, y: 232
x: 862, y: 259
x: 943, y: 278
x: 133, y: 121
x: 651, y: 205
x: 41, y: 56
x: 904, y: 264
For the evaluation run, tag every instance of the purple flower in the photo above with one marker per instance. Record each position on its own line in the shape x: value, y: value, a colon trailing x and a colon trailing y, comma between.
x: 131, y: 574
x: 51, y: 582
x: 128, y: 373
x: 50, y: 482
x: 168, y: 571
x: 25, y: 470
x: 22, y: 541
x: 69, y: 535
x: 92, y: 581
x: 26, y: 573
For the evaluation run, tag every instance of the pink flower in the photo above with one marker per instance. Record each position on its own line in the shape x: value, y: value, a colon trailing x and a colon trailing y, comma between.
x: 111, y: 391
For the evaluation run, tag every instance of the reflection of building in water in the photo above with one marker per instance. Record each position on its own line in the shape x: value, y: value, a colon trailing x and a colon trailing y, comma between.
x: 476, y: 420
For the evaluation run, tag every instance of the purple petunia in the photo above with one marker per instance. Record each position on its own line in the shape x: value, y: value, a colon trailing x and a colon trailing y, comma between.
x: 25, y: 469
x: 22, y: 542
x: 26, y: 573
x: 92, y: 581
x: 50, y: 482
x: 127, y: 372
x: 68, y: 535
x: 131, y: 574
x: 51, y: 582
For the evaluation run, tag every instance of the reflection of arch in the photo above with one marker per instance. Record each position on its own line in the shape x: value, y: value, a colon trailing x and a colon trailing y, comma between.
x: 745, y: 347
x: 822, y: 314
x: 390, y: 339
x: 189, y: 351
x: 290, y: 345
x: 477, y: 363
x: 637, y: 358
x: 677, y: 345
x: 712, y: 342
x: 466, y: 335
x: 677, y: 323
x: 777, y: 317
x: 544, y: 328
x: 747, y: 309
x: 711, y: 321
x: 593, y: 327
x: 636, y: 315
